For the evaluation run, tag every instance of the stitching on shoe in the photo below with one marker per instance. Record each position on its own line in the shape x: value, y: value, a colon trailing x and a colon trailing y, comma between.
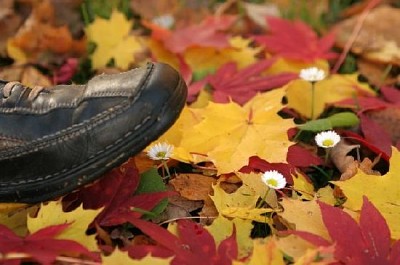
x: 121, y: 108
x: 72, y: 105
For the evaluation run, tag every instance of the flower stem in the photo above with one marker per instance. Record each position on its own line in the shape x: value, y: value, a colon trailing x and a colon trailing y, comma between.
x: 327, y: 151
x: 312, y: 99
x: 164, y: 163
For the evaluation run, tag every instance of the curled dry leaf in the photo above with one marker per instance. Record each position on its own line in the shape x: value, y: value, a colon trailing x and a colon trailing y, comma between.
x: 347, y: 165
x: 339, y: 155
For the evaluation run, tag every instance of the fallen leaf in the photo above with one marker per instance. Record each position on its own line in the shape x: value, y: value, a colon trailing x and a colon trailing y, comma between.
x: 39, y: 34
x: 193, y: 186
x: 305, y: 216
x: 229, y: 83
x: 376, y: 134
x: 329, y: 90
x: 192, y: 244
x: 385, y: 131
x: 222, y: 228
x: 208, y: 34
x: 120, y: 257
x: 113, y: 40
x: 231, y: 146
x: 381, y: 191
x: 117, y: 193
x: 296, y: 40
x: 208, y: 59
x: 375, y: 41
x: 41, y: 246
x: 266, y: 252
x: 78, y: 220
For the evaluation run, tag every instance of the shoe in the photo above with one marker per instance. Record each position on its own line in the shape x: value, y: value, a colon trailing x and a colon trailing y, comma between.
x: 55, y: 140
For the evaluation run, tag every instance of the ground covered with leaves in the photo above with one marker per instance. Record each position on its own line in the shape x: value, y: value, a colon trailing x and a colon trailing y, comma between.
x: 286, y: 152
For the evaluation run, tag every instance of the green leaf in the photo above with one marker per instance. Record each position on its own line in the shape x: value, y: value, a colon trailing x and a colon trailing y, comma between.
x: 151, y: 181
x: 343, y: 119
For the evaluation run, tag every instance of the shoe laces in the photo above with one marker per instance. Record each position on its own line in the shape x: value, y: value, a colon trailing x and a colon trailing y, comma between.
x: 34, y: 91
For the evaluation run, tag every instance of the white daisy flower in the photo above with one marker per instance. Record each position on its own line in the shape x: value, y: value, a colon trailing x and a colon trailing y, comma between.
x: 312, y: 74
x: 160, y: 151
x: 327, y: 139
x: 274, y: 179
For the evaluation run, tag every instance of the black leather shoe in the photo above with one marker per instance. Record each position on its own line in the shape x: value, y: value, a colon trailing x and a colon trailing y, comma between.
x: 55, y: 140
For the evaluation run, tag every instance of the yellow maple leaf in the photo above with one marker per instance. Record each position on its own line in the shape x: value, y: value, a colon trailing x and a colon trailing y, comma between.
x: 121, y: 257
x: 206, y: 58
x: 15, y: 52
x: 305, y: 215
x: 162, y: 54
x: 303, y: 186
x: 187, y: 119
x: 266, y: 252
x: 228, y: 134
x: 79, y: 219
x: 332, y: 89
x: 286, y: 65
x: 14, y: 216
x: 222, y: 227
x: 382, y: 191
x: 113, y: 41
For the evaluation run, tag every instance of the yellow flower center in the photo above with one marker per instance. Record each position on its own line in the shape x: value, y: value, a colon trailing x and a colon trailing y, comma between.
x: 272, y: 182
x: 327, y: 142
x: 161, y: 154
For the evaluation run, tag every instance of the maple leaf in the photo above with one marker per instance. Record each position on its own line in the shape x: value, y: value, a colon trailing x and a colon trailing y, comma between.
x: 209, y: 33
x: 41, y: 245
x: 115, y: 192
x: 120, y: 257
x: 241, y: 85
x: 208, y: 59
x: 266, y: 252
x: 113, y: 41
x: 375, y: 135
x: 254, y: 129
x: 332, y: 89
x: 192, y: 245
x: 305, y: 216
x: 296, y: 40
x: 382, y: 191
x: 355, y: 244
x: 79, y: 220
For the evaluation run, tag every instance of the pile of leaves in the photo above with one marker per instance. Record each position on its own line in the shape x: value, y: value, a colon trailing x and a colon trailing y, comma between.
x: 247, y: 112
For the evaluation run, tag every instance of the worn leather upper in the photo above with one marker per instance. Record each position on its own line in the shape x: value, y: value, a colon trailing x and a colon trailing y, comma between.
x: 65, y: 129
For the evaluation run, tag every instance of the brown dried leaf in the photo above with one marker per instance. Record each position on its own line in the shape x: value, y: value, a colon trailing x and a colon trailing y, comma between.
x: 9, y: 23
x: 28, y: 75
x: 40, y: 34
x: 376, y: 73
x: 377, y: 40
x: 193, y: 186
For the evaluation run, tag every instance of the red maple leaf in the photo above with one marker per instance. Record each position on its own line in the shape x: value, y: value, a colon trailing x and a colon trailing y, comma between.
x: 194, y: 245
x: 209, y: 33
x: 41, y: 246
x: 366, y: 242
x: 391, y: 94
x: 376, y: 135
x: 115, y: 191
x: 241, y: 85
x: 296, y: 40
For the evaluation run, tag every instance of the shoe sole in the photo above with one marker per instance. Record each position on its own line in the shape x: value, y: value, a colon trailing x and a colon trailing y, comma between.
x: 93, y: 168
